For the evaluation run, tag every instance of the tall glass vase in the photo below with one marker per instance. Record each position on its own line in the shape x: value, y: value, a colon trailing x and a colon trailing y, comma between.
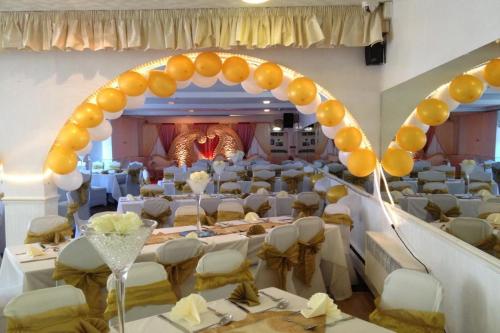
x: 467, y: 182
x: 198, y: 217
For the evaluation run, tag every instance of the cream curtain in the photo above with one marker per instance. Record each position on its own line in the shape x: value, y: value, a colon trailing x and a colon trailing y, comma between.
x: 263, y: 137
x: 149, y: 138
x: 191, y: 28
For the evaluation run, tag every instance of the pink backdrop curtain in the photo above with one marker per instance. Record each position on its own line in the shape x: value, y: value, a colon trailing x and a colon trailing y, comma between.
x: 246, y: 132
x: 166, y: 133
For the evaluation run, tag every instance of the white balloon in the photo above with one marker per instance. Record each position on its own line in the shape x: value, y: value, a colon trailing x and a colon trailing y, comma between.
x: 222, y: 79
x: 68, y: 182
x: 85, y: 150
x: 478, y: 72
x: 249, y: 84
x: 330, y: 132
x: 413, y: 120
x: 443, y: 94
x: 112, y: 115
x: 281, y: 92
x: 101, y: 132
x: 343, y: 157
x: 183, y: 84
x: 203, y: 81
x: 394, y: 145
x: 311, y: 107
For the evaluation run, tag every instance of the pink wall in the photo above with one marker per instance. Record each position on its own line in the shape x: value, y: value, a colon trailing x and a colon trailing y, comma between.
x: 127, y: 137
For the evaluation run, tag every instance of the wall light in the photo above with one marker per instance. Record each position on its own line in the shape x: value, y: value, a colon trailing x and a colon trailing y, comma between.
x: 266, y: 101
x: 191, y: 111
x: 267, y: 110
x: 255, y: 2
x: 276, y: 128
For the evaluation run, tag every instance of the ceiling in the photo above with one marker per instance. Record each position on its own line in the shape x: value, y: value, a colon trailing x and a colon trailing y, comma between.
x: 35, y: 5
x: 490, y: 101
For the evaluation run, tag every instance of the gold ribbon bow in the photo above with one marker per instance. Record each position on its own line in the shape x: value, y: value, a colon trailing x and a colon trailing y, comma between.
x: 304, y: 209
x: 437, y: 213
x: 337, y: 219
x: 256, y: 229
x: 184, y: 220
x: 211, y: 218
x: 134, y: 175
x: 56, y: 235
x: 168, y: 175
x: 179, y: 272
x: 481, y: 186
x: 254, y: 188
x: 407, y: 321
x: 160, y: 218
x: 280, y: 262
x: 243, y: 174
x: 156, y: 293
x: 261, y: 210
x: 150, y: 192
x: 247, y: 293
x: 306, y: 265
x: 179, y: 185
x: 235, y: 191
x: 399, y: 187
x: 292, y: 182
x: 224, y: 215
x: 90, y: 281
x: 485, y: 215
x: 215, y: 280
x: 490, y: 245
x: 73, y: 319
x: 83, y: 198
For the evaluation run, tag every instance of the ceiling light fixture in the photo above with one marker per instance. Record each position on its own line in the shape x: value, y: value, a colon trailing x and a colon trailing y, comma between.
x: 191, y: 111
x: 276, y: 128
x: 266, y: 101
x: 255, y: 2
x: 235, y: 115
x: 267, y: 110
x: 171, y: 102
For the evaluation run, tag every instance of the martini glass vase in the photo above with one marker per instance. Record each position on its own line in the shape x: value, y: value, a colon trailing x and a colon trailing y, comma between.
x: 198, y: 187
x: 119, y: 251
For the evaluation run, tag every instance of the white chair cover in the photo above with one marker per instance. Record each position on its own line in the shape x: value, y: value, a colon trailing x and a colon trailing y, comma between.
x: 480, y: 177
x: 444, y: 201
x: 80, y: 254
x: 432, y: 176
x: 230, y: 186
x: 264, y: 174
x: 210, y: 204
x: 46, y: 223
x: 294, y: 165
x: 310, y: 198
x: 421, y: 165
x: 228, y: 176
x: 488, y: 207
x: 156, y: 207
x: 432, y: 186
x: 265, y: 185
x: 448, y: 169
x: 470, y: 230
x: 254, y: 201
x: 260, y: 166
x: 292, y: 173
x: 231, y: 206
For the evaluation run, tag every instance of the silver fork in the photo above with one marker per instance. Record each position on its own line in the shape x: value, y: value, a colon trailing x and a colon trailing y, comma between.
x: 217, y: 313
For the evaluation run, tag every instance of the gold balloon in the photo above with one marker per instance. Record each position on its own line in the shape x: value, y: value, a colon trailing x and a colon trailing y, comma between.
x: 432, y: 111
x: 492, y: 72
x: 62, y: 160
x: 73, y: 137
x: 268, y: 76
x: 348, y: 139
x: 208, y: 64
x: 302, y: 91
x: 397, y: 162
x: 361, y: 162
x: 161, y: 84
x: 411, y: 138
x: 316, y: 177
x: 180, y: 67
x: 87, y: 115
x: 132, y: 83
x: 235, y: 69
x: 330, y: 113
x: 466, y: 88
x: 336, y: 192
x: 111, y: 99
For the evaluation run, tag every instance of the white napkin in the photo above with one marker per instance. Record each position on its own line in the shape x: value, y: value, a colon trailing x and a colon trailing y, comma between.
x: 321, y: 304
x: 252, y: 217
x: 130, y: 197
x: 34, y: 251
x: 494, y: 218
x: 262, y: 191
x: 189, y: 309
x: 282, y: 194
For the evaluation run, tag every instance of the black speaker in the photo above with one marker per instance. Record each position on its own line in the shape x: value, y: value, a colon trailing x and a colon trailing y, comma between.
x: 288, y: 119
x: 375, y: 54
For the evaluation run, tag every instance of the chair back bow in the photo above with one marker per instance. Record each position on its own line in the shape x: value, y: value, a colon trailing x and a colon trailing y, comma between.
x: 184, y: 220
x: 293, y: 182
x: 161, y: 218
x: 437, y: 213
x: 269, y: 180
x: 56, y: 235
x: 261, y: 210
x: 226, y: 215
x: 280, y: 262
x: 206, y: 281
x: 306, y: 265
x: 168, y: 175
x: 235, y: 191
x: 83, y: 198
x: 303, y: 209
x: 179, y: 272
x: 338, y: 218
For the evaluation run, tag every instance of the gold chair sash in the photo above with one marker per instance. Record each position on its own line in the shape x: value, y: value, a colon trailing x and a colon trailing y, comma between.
x: 269, y: 180
x: 256, y: 229
x: 166, y: 197
x: 215, y: 280
x: 280, y: 262
x: 435, y: 191
x: 233, y: 180
x: 308, y: 174
x: 399, y: 187
x: 321, y: 194
x: 243, y: 174
x: 224, y: 215
x: 235, y: 191
x: 354, y: 180
x: 422, y: 182
x: 156, y: 293
x: 490, y: 245
x: 247, y: 293
x: 303, y: 209
x: 160, y: 218
x: 306, y: 265
x: 437, y: 213
x: 481, y: 186
x: 408, y: 321
x: 134, y: 175
x: 179, y: 185
x: 184, y: 220
x: 56, y: 235
x: 149, y: 193
x: 90, y: 281
x: 261, y: 210
x: 168, y: 175
x: 83, y: 198
x: 254, y: 188
x: 485, y: 215
x: 293, y: 182
x: 73, y: 319
x: 179, y: 272
x: 338, y: 219
x: 186, y: 188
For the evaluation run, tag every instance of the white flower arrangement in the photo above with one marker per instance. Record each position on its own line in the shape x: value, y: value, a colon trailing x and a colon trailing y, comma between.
x: 219, y: 166
x: 468, y: 166
x: 116, y: 223
x: 115, y: 165
x: 198, y: 181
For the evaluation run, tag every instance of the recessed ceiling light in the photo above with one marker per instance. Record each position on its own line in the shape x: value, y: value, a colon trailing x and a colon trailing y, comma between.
x: 235, y: 115
x: 267, y: 110
x: 190, y: 110
x: 255, y: 2
x: 266, y: 101
x: 171, y: 102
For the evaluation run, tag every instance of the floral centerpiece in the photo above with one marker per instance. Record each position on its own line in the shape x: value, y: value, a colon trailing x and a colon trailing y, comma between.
x: 236, y: 156
x: 198, y: 182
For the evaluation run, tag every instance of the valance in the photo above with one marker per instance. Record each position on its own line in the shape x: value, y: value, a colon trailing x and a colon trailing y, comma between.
x: 325, y: 26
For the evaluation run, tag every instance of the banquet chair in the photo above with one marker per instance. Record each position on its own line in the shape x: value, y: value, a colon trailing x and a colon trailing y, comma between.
x: 255, y: 186
x: 230, y: 188
x: 307, y: 204
x: 292, y: 166
x: 157, y: 209
x: 74, y: 217
x: 259, y: 204
x: 230, y: 211
x: 264, y: 176
x: 425, y: 295
x: 476, y: 232
x: 293, y: 180
x: 180, y: 183
x: 259, y: 167
x: 147, y: 293
x: 311, y: 237
x: 228, y: 176
x: 278, y: 255
x: 219, y: 272
x: 336, y: 169
x: 487, y: 208
x: 133, y: 181
x: 447, y: 169
x: 442, y: 206
x: 286, y: 162
x: 169, y: 172
x: 48, y: 229
x: 435, y: 188
x: 399, y: 185
x: 419, y: 166
x: 209, y: 205
x: 79, y: 200
x: 56, y: 309
x: 179, y: 257
x: 187, y: 215
x: 240, y: 171
x: 321, y: 187
x: 431, y: 176
x: 480, y: 180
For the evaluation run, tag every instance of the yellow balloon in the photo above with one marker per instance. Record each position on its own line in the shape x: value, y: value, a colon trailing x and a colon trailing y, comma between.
x: 336, y: 192
x: 208, y: 64
x: 161, y: 84
x: 132, y: 83
x: 466, y: 88
x: 361, y: 162
x: 330, y: 113
x: 397, y: 162
x: 111, y: 99
x: 302, y: 91
x: 348, y: 139
x: 180, y: 67
x: 235, y: 69
x: 87, y: 115
x: 432, y: 111
x: 411, y: 138
x: 492, y: 72
x: 73, y: 137
x: 268, y: 76
x: 62, y: 160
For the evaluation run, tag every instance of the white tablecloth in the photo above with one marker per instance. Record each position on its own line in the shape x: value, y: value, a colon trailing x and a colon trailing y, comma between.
x: 111, y: 182
x: 416, y: 206
x: 296, y: 303
x: 19, y: 277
